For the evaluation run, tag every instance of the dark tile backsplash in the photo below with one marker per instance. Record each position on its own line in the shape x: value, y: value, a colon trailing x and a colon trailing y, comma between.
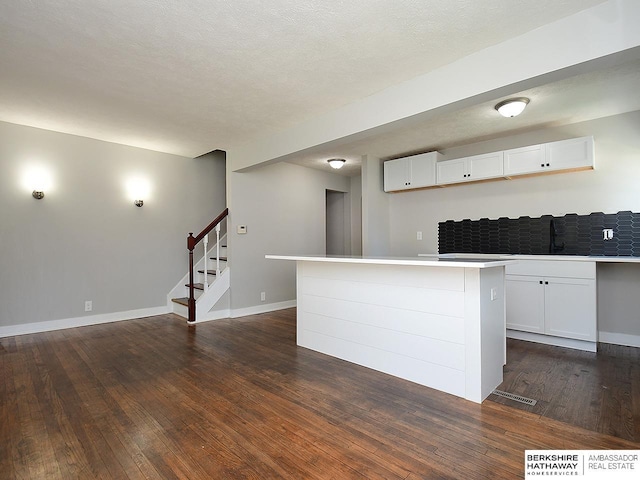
x: 574, y: 235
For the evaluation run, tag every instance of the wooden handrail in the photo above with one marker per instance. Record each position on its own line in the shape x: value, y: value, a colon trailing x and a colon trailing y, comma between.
x: 193, y: 241
x: 191, y: 244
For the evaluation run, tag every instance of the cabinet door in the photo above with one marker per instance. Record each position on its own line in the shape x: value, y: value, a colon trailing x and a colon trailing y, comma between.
x: 396, y: 175
x: 480, y: 167
x: 422, y: 171
x: 568, y: 154
x: 570, y: 308
x: 525, y: 303
x: 452, y: 171
x: 520, y: 161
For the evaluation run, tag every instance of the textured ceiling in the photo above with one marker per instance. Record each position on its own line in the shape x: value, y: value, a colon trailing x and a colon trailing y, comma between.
x: 188, y: 77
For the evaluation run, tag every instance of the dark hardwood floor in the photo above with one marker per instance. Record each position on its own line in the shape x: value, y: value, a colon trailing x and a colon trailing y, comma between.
x: 597, y: 391
x: 153, y: 398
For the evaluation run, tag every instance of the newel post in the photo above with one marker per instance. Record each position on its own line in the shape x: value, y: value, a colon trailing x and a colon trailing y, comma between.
x: 191, y: 244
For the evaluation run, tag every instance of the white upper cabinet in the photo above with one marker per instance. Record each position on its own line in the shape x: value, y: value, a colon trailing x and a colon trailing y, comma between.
x: 452, y: 171
x: 520, y: 161
x: 569, y: 154
x: 420, y: 171
x: 469, y: 169
x: 417, y: 171
x: 576, y: 153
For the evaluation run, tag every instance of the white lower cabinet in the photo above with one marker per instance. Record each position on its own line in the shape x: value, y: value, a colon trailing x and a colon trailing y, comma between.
x: 552, y: 298
x: 525, y: 303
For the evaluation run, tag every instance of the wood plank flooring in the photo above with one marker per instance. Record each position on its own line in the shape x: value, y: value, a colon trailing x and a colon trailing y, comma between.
x: 597, y: 391
x: 153, y: 398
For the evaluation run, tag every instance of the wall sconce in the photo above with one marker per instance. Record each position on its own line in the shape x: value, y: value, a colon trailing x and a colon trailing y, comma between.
x: 138, y: 189
x: 37, y: 179
x: 512, y: 107
x: 336, y: 162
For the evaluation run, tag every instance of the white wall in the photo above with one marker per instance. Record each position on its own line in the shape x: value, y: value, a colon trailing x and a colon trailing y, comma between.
x: 86, y: 240
x: 283, y: 207
x: 356, y: 215
x: 338, y: 225
x: 375, y: 209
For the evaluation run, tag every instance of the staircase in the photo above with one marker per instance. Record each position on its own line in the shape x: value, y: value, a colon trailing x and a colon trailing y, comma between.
x: 206, y: 281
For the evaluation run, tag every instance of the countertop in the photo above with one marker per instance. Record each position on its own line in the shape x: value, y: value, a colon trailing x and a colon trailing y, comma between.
x: 425, y: 261
x: 565, y: 258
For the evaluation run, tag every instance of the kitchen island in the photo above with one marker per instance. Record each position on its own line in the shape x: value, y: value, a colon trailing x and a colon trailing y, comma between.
x: 435, y: 322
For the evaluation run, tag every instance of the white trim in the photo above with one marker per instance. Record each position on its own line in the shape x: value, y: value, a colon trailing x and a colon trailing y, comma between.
x: 619, y: 339
x: 551, y: 340
x: 47, y: 326
x: 209, y: 316
x: 270, y: 307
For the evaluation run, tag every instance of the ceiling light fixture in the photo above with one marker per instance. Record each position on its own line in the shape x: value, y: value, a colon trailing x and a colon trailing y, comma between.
x: 336, y: 162
x: 512, y: 107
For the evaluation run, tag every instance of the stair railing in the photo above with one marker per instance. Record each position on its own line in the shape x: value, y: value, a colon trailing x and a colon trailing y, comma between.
x: 191, y: 245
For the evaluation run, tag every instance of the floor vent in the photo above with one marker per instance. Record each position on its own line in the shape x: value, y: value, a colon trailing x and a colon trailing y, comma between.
x: 513, y: 397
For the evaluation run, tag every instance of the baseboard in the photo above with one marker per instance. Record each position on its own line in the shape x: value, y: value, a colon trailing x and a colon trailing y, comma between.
x: 619, y: 339
x: 242, y: 312
x: 50, y: 325
x: 555, y: 341
x: 269, y: 307
x: 210, y: 316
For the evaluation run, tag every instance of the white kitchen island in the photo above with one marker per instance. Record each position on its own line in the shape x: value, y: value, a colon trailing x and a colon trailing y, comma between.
x: 436, y: 322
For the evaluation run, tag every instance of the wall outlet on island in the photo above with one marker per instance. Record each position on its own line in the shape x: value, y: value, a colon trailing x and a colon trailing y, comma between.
x: 263, y: 296
x: 88, y: 306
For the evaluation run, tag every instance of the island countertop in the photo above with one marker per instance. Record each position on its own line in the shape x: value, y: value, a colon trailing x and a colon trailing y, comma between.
x: 438, y: 322
x: 412, y: 261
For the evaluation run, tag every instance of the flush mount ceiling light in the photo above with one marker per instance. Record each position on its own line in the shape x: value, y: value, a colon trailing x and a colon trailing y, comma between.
x: 336, y: 162
x: 512, y: 107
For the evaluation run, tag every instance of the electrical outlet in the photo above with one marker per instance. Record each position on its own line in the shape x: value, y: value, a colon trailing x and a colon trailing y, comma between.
x: 494, y: 294
x: 607, y: 233
x: 263, y: 296
x: 88, y: 306
x: 419, y: 236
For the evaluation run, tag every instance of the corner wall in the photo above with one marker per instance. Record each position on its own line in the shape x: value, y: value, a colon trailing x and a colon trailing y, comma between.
x: 283, y: 206
x: 86, y: 240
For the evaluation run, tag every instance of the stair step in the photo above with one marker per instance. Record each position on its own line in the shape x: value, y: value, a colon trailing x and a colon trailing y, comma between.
x: 209, y: 272
x: 182, y: 301
x: 222, y: 259
x: 197, y: 286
